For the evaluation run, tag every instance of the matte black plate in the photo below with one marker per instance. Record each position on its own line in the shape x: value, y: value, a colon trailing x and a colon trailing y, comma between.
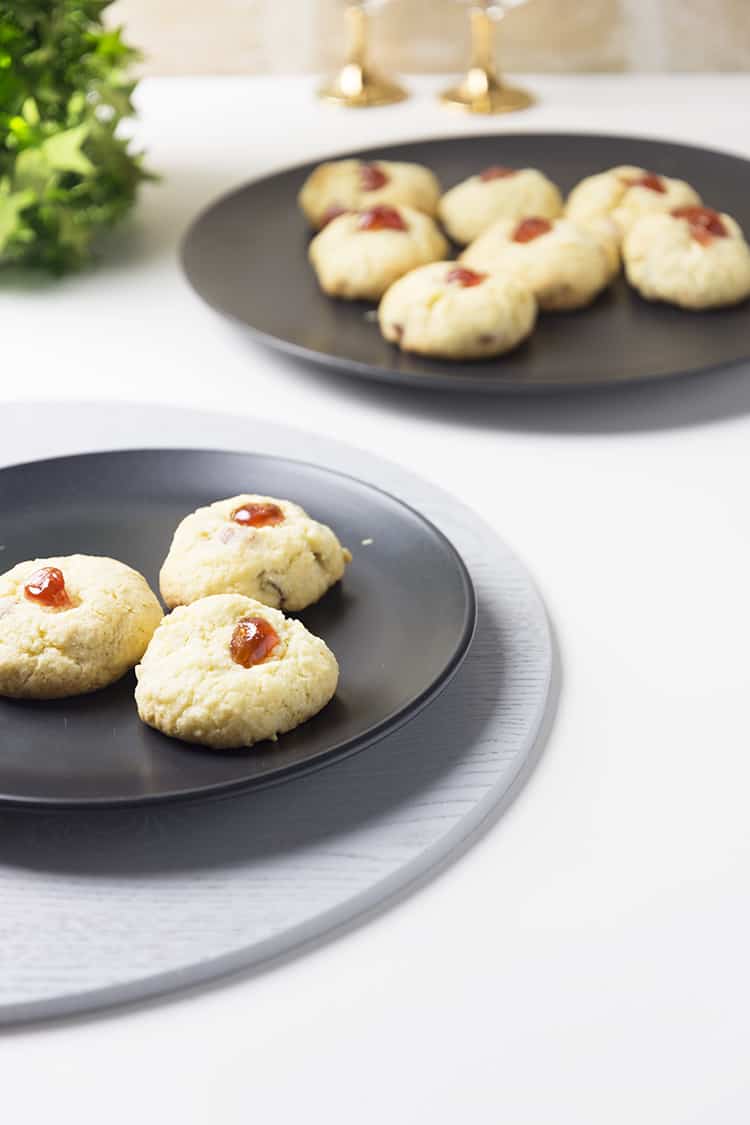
x: 400, y: 623
x: 246, y: 256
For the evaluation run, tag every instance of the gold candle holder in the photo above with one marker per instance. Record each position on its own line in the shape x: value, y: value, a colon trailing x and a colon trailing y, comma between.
x: 481, y: 90
x: 357, y: 84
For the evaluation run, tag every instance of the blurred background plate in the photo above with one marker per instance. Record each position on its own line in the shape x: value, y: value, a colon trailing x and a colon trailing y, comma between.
x: 400, y: 623
x: 246, y: 256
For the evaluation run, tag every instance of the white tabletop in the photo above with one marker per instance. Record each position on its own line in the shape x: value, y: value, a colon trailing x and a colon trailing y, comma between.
x: 585, y: 961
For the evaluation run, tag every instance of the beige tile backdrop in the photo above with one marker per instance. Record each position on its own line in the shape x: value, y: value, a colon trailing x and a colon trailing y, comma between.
x: 256, y: 36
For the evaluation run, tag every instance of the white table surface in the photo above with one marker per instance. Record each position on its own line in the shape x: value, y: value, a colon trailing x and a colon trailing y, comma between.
x: 586, y: 961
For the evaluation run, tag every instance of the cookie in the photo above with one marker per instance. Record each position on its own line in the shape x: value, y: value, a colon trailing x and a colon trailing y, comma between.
x: 564, y: 265
x: 607, y: 233
x: 453, y: 312
x: 227, y: 672
x: 694, y: 257
x: 357, y: 256
x: 626, y: 193
x: 264, y: 548
x: 71, y: 625
x: 355, y: 185
x: 497, y: 193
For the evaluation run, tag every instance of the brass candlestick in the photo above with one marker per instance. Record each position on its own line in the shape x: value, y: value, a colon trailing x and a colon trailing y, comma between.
x: 481, y: 90
x: 357, y: 84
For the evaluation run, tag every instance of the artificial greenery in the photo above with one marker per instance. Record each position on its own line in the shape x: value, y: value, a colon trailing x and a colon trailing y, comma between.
x: 65, y: 175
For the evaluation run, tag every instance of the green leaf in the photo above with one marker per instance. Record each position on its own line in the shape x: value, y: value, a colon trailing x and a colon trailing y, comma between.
x: 76, y: 104
x: 65, y: 173
x: 63, y: 151
x: 32, y: 170
x: 30, y: 111
x: 11, y: 207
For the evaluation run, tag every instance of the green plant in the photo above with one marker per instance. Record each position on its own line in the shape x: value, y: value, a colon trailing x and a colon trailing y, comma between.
x: 65, y: 175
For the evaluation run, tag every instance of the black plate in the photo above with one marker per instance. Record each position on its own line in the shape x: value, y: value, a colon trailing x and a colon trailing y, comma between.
x: 245, y: 256
x: 400, y: 623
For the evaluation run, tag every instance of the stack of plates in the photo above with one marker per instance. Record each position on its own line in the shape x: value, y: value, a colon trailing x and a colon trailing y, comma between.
x: 121, y: 876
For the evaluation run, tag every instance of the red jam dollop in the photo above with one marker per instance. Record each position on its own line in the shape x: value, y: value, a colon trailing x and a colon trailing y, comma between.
x: 705, y: 223
x: 460, y: 275
x: 261, y: 514
x: 47, y: 587
x: 371, y: 177
x: 496, y: 172
x: 331, y: 213
x: 253, y: 641
x: 529, y: 229
x: 648, y: 180
x: 381, y: 218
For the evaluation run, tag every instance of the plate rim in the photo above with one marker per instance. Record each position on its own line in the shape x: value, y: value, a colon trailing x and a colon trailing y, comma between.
x: 447, y: 382
x: 348, y: 748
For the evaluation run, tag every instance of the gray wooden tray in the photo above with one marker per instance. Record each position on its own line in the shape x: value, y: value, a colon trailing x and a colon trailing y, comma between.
x: 103, y: 907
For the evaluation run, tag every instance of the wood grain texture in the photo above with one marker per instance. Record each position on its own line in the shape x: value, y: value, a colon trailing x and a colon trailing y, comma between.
x: 103, y: 907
